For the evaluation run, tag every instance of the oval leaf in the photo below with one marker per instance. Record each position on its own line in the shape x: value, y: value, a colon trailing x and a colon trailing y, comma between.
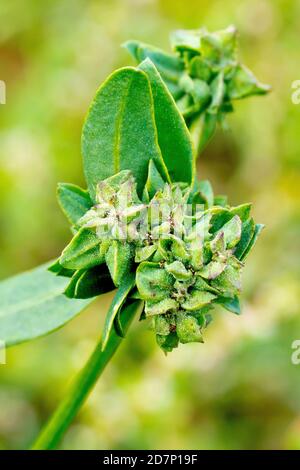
x: 32, y: 305
x: 73, y: 200
x: 119, y: 132
x: 173, y: 136
x: 83, y: 251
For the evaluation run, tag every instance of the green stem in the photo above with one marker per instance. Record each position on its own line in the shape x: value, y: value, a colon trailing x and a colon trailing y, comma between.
x: 83, y: 385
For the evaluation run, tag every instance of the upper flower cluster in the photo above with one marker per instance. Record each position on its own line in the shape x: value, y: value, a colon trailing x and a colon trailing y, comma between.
x: 204, y: 75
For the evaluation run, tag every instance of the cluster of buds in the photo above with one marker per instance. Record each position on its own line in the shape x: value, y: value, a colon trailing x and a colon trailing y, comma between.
x: 204, y: 75
x: 213, y: 77
x: 195, y: 262
x: 185, y: 246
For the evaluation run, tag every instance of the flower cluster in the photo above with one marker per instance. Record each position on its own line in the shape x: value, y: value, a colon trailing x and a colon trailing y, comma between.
x: 204, y: 75
x: 213, y: 77
x: 185, y: 246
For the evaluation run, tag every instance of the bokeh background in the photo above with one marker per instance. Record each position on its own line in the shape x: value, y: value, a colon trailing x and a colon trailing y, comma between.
x: 240, y: 389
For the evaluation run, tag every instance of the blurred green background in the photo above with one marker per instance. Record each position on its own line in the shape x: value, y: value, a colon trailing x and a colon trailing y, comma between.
x: 239, y: 390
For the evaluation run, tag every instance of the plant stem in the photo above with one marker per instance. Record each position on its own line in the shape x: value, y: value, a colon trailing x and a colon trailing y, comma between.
x: 83, y: 384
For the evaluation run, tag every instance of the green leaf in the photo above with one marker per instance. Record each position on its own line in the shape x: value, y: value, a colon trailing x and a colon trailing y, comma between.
x: 228, y: 282
x: 153, y: 282
x: 248, y: 229
x: 218, y: 90
x: 244, y: 84
x: 232, y: 304
x: 118, y: 300
x: 213, y: 269
x: 59, y: 270
x: 188, y: 329
x: 93, y: 282
x: 243, y: 211
x: 257, y: 231
x: 155, y: 181
x: 144, y: 253
x: 206, y: 193
x: 197, y: 299
x: 186, y: 40
x: 178, y: 270
x: 219, y: 217
x: 83, y: 251
x: 119, y: 258
x: 173, y: 136
x: 169, y: 66
x: 74, y: 201
x: 202, y: 130
x: 232, y: 231
x: 119, y: 132
x: 160, y: 307
x: 32, y: 304
x: 70, y: 289
x: 167, y: 342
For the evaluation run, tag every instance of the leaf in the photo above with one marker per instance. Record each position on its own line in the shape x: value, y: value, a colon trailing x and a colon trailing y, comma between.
x: 188, y: 329
x: 219, y: 217
x: 217, y: 90
x: 118, y: 300
x: 248, y: 229
x: 74, y: 201
x: 230, y: 303
x: 160, y: 307
x: 143, y: 253
x: 228, y: 282
x: 202, y: 130
x: 119, y: 132
x: 220, y: 200
x: 232, y: 231
x: 32, y: 304
x: 119, y: 257
x: 206, y: 192
x: 154, y: 180
x: 90, y: 283
x: 169, y: 66
x: 70, y: 289
x: 197, y: 299
x: 153, y: 282
x: 244, y: 84
x: 83, y: 251
x: 213, y: 269
x: 59, y: 270
x: 173, y: 136
x: 167, y: 343
x: 178, y: 270
x: 186, y: 40
x: 243, y: 211
x: 257, y: 231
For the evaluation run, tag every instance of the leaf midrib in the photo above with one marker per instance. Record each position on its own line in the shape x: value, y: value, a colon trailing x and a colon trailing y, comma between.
x: 116, y: 151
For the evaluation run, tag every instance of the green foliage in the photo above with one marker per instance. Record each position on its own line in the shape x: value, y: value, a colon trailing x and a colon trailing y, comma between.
x: 181, y: 279
x: 138, y: 160
x: 173, y: 136
x: 73, y: 201
x: 112, y: 139
x: 203, y: 75
x: 116, y: 306
x: 32, y: 305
